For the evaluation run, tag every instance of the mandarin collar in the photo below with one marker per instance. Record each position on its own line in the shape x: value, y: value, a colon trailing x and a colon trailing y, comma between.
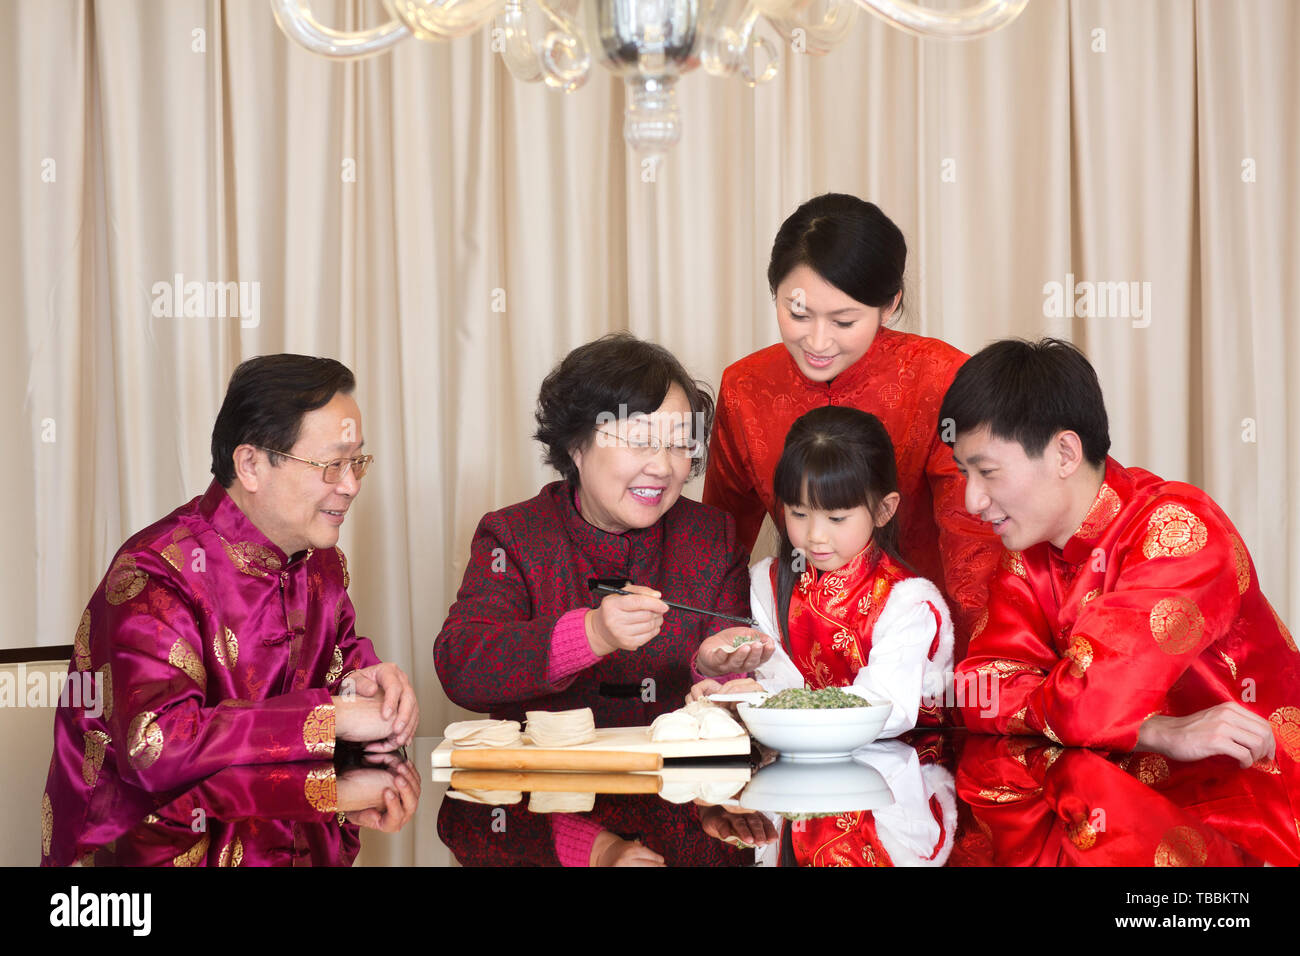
x: 1115, y: 491
x: 597, y: 541
x: 849, y: 379
x: 252, y: 552
x: 863, y: 564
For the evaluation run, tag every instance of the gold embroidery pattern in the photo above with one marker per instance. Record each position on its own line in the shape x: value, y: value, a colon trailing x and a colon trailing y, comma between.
x: 321, y: 789
x: 107, y: 671
x: 1286, y: 724
x: 1082, y: 834
x: 1176, y: 625
x: 1232, y: 665
x: 145, y: 740
x: 318, y: 731
x: 1049, y: 734
x: 1018, y: 722
x: 1242, y: 561
x: 96, y: 741
x: 1286, y: 635
x: 1090, y: 596
x: 172, y: 555
x: 182, y: 657
x: 1014, y: 562
x: 195, y: 854
x: 247, y: 555
x: 980, y: 624
x: 1080, y: 654
x: 1173, y: 532
x: 125, y: 580
x: 81, y: 643
x: 152, y: 818
x: 47, y: 824
x: 1266, y: 765
x: 1003, y: 794
x: 1152, y: 768
x: 226, y: 648
x: 1181, y: 846
x: 1101, y: 514
x: 232, y: 854
x: 1005, y: 668
x: 343, y: 560
x: 336, y: 667
x: 1051, y: 755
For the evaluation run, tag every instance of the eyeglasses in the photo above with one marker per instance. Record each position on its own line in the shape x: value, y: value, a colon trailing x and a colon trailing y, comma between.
x: 334, y: 470
x: 649, y: 447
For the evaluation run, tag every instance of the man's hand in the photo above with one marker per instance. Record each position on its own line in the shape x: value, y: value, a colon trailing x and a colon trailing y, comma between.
x: 380, y: 798
x: 361, y: 719
x: 720, y: 655
x: 623, y: 622
x: 609, y: 849
x: 389, y: 685
x: 1226, y: 728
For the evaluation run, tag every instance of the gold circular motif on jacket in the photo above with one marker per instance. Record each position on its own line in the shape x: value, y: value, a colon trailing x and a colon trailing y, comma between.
x: 1173, y: 532
x: 195, y: 854
x: 183, y: 658
x: 1181, y: 846
x: 144, y: 740
x: 1286, y: 724
x: 318, y: 731
x: 107, y: 671
x: 124, y: 581
x: 1286, y: 635
x: 232, y: 854
x: 225, y: 647
x: 1152, y: 768
x: 47, y: 824
x: 1176, y: 625
x: 81, y: 643
x: 93, y: 755
x: 1242, y: 560
x: 321, y: 790
x: 1080, y: 654
x: 1101, y: 514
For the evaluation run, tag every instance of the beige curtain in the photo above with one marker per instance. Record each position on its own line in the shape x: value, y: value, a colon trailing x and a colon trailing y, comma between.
x: 389, y: 210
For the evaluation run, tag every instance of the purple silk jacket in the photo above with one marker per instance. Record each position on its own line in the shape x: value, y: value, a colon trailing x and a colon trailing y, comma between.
x: 212, y: 648
x: 529, y: 565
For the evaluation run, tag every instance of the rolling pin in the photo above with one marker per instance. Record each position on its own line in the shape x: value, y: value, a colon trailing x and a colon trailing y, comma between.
x: 607, y: 761
x: 552, y: 782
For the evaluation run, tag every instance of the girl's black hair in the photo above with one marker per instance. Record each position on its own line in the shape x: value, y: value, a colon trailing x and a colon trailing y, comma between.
x: 835, y: 458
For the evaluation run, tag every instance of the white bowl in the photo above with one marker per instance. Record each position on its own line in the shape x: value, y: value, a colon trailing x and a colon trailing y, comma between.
x: 837, y: 786
x: 816, y: 734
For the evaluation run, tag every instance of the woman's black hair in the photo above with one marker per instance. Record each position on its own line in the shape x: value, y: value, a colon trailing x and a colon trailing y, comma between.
x: 265, y: 402
x: 848, y: 242
x: 613, y: 377
x: 835, y: 458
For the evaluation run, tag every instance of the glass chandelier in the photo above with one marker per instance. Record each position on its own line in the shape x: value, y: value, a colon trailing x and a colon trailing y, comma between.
x: 650, y: 43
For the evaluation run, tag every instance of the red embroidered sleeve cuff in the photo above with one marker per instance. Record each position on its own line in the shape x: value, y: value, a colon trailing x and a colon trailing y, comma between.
x: 570, y: 652
x: 574, y: 836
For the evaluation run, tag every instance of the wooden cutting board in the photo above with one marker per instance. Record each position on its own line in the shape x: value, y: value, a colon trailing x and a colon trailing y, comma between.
x: 626, y: 740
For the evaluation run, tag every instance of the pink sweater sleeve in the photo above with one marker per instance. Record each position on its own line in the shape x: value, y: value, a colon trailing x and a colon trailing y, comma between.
x: 574, y: 836
x: 570, y: 652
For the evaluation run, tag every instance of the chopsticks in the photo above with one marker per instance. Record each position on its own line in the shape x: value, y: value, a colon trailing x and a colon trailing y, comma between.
x: 608, y: 586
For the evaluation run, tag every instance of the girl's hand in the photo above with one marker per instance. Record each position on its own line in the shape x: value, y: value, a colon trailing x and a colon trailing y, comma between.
x: 720, y: 654
x: 624, y: 622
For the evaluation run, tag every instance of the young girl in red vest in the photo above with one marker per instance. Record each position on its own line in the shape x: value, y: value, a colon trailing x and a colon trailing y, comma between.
x: 848, y: 611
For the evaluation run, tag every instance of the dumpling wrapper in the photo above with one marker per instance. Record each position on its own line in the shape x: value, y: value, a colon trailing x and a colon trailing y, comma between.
x: 498, y: 798
x: 563, y: 728
x: 675, y: 725
x: 483, y: 733
x: 548, y: 802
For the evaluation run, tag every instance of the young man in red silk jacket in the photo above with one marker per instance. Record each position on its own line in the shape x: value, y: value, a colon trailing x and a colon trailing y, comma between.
x: 1126, y: 613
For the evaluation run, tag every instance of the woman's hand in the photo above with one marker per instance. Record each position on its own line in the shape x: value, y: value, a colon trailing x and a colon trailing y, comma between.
x: 611, y: 850
x: 741, y: 685
x: 719, y: 654
x: 737, y: 826
x: 623, y: 622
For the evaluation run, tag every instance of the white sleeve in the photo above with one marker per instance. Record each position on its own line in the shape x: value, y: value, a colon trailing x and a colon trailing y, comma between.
x: 779, y: 672
x: 898, y: 667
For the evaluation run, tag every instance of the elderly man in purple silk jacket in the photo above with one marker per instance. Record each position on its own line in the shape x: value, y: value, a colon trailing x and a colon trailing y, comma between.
x: 223, y: 634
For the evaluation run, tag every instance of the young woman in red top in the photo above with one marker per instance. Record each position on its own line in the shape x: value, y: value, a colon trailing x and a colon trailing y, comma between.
x: 836, y: 273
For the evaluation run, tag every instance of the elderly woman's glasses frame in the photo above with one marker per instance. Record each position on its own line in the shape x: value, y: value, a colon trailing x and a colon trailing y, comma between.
x: 649, y: 447
x: 335, y: 470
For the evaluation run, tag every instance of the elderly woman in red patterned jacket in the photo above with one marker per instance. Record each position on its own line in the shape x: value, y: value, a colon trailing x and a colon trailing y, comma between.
x: 626, y: 427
